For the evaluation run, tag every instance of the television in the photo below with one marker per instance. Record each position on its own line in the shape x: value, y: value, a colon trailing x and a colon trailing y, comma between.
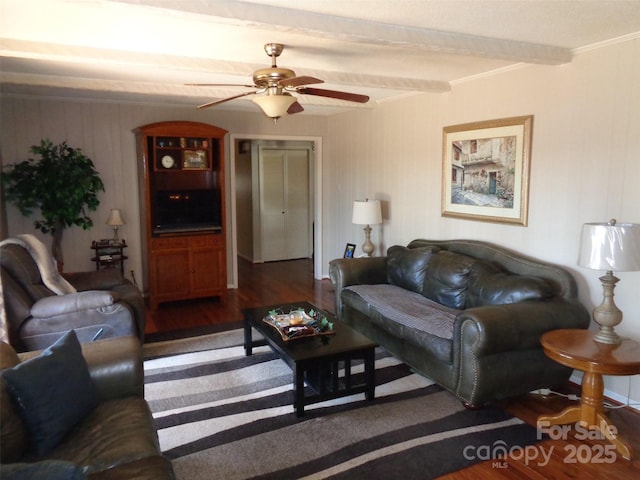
x: 186, y: 211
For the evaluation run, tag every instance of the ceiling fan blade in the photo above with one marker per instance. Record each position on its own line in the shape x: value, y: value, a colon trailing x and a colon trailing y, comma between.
x: 351, y: 97
x: 218, y: 85
x: 216, y: 102
x: 298, y: 81
x: 295, y: 108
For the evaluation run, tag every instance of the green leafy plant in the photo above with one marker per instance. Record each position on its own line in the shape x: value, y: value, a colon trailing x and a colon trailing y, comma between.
x: 62, y: 183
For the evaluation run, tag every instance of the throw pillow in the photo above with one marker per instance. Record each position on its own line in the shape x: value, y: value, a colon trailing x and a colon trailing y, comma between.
x: 49, y: 469
x: 502, y: 288
x: 406, y: 267
x: 52, y: 392
x: 446, y: 282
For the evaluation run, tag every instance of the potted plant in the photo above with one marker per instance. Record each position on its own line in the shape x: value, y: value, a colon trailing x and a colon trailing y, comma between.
x: 63, y: 184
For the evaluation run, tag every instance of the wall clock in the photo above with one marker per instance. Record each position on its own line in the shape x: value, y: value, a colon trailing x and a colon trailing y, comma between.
x: 168, y: 161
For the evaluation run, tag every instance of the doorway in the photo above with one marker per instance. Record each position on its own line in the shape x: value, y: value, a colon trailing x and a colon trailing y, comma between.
x: 493, y: 182
x: 244, y: 185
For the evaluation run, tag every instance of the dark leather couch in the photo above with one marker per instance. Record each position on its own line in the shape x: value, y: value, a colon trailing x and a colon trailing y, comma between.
x: 106, y: 305
x: 466, y: 314
x: 117, y: 440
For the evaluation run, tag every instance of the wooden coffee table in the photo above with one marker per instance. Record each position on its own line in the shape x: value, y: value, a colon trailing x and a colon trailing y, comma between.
x: 323, y: 362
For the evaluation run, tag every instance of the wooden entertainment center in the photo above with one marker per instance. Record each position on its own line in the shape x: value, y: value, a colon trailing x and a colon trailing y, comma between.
x: 182, y: 210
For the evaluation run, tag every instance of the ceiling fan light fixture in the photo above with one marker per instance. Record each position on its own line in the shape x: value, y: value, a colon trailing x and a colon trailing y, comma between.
x: 274, y: 82
x: 275, y: 106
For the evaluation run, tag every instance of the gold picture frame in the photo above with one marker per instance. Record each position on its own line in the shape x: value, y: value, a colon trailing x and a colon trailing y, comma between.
x: 485, y: 170
x: 195, y: 160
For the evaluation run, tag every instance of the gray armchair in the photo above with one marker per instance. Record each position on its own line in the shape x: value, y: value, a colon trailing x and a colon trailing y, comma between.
x: 97, y: 305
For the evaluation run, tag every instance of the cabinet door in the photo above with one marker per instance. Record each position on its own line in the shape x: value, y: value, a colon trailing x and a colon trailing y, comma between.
x: 207, y: 266
x: 170, y: 275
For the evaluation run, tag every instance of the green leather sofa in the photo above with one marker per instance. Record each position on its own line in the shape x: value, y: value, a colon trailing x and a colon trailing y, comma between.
x: 467, y: 314
x: 117, y: 439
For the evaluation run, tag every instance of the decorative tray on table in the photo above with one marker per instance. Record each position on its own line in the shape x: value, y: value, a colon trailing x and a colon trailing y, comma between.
x: 299, y: 324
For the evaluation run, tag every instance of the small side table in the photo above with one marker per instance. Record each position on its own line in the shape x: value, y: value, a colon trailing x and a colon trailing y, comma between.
x: 578, y: 350
x: 109, y: 256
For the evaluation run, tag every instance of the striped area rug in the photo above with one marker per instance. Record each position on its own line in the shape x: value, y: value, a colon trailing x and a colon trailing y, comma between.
x: 223, y: 415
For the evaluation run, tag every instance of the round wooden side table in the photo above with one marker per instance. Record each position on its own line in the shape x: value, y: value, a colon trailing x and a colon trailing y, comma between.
x: 578, y: 350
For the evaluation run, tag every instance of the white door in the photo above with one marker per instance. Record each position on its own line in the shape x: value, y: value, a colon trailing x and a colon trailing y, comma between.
x: 284, y: 204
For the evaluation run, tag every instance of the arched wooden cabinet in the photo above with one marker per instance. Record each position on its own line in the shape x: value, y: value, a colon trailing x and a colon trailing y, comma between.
x: 182, y: 210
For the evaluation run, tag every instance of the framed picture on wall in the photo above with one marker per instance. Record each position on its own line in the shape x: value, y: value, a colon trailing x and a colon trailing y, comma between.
x: 485, y: 170
x: 349, y: 250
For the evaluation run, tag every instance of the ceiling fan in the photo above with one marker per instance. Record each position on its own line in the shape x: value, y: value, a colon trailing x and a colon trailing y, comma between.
x: 276, y: 84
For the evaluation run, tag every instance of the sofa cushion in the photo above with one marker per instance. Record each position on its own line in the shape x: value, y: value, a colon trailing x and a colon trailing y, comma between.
x: 446, y: 279
x: 20, y: 265
x: 406, y: 267
x: 407, y: 315
x: 47, y: 469
x: 52, y: 392
x: 115, y: 433
x: 503, y: 288
x: 408, y: 308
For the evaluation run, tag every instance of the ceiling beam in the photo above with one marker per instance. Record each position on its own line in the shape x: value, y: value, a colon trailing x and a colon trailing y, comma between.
x: 10, y: 48
x: 367, y: 32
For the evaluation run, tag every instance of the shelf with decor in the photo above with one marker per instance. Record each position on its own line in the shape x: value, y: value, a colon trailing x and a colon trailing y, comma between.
x: 107, y: 254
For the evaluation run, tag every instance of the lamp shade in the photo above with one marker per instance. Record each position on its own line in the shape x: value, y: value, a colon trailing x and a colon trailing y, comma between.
x: 610, y: 246
x: 275, y: 106
x: 367, y: 212
x: 115, y: 218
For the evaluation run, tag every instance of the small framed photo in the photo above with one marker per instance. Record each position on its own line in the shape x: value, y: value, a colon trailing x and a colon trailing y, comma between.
x: 349, y: 250
x: 195, y: 160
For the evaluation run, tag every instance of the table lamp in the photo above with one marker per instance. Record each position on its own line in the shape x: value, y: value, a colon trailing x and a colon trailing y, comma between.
x: 115, y: 220
x: 367, y: 213
x: 609, y: 246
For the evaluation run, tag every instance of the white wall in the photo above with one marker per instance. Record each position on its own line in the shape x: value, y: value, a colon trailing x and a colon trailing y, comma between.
x: 585, y: 163
x: 585, y: 166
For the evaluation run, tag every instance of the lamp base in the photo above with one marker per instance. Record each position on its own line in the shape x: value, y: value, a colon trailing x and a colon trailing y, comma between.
x: 607, y: 315
x: 608, y: 336
x: 116, y: 240
x: 367, y: 247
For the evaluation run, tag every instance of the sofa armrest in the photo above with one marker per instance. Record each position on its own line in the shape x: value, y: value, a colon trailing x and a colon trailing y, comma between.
x: 115, y: 366
x: 56, y: 315
x: 72, y: 303
x: 356, y: 271
x: 518, y: 326
x: 104, y: 279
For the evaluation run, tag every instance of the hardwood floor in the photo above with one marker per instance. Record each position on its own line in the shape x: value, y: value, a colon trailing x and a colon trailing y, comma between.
x: 564, y: 458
